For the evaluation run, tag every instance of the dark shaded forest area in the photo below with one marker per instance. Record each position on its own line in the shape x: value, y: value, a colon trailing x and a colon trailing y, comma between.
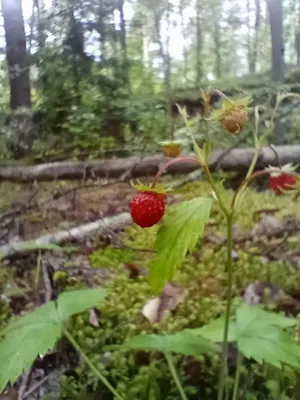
x: 149, y: 200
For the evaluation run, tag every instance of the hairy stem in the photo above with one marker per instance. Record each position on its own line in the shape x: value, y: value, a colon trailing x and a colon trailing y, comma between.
x: 223, y: 369
x: 237, y: 376
x: 167, y: 165
x: 97, y: 373
x: 175, y: 376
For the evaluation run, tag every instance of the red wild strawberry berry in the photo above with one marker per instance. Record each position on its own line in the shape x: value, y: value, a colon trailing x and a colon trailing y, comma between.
x: 147, y: 208
x: 282, y: 181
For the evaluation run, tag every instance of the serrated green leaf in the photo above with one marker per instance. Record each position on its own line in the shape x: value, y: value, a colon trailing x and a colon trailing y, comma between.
x: 254, y: 316
x: 37, y: 332
x: 270, y: 344
x: 179, y: 233
x: 214, y: 331
x: 182, y: 343
x: 76, y: 301
x: 19, y: 350
x: 260, y: 336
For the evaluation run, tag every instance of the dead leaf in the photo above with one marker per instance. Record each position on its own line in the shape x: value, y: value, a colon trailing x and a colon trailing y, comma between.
x: 93, y: 319
x: 155, y: 309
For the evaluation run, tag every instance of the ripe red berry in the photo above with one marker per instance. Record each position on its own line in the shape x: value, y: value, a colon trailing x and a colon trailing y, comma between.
x: 282, y: 181
x: 147, y: 208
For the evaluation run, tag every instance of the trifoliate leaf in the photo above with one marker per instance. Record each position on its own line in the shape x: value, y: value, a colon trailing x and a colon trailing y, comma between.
x: 214, y: 331
x: 37, y: 332
x: 270, y: 344
x: 253, y: 316
x: 182, y: 343
x: 179, y: 233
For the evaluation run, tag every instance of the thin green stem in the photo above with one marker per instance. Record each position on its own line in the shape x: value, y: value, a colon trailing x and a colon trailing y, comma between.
x: 237, y: 376
x: 223, y: 369
x: 97, y: 373
x: 38, y: 270
x: 175, y: 376
x: 214, y: 188
x: 254, y: 161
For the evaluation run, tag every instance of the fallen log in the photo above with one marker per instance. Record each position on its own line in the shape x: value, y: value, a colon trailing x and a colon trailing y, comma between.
x: 99, y: 226
x: 235, y: 160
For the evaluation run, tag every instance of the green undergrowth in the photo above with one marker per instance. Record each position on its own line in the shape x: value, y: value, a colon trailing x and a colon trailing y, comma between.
x: 202, y: 275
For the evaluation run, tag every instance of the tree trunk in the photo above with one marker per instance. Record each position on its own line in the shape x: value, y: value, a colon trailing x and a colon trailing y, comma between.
x: 298, y: 48
x: 198, y: 43
x: 184, y: 36
x: 249, y: 38
x: 218, y: 59
x: 125, y: 66
x: 276, y: 23
x: 256, y: 35
x: 16, y: 54
x: 18, y: 64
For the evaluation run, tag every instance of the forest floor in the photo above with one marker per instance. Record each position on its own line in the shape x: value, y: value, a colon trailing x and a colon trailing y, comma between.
x: 266, y: 238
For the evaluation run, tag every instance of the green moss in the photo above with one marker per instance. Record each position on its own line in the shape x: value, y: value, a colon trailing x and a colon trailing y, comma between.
x: 203, y: 277
x: 110, y: 257
x: 5, y: 313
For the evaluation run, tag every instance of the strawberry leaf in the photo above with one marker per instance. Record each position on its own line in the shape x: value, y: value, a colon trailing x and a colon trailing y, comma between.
x: 214, y: 331
x: 37, y: 332
x: 76, y: 301
x: 254, y: 316
x: 271, y: 344
x: 260, y: 336
x: 179, y: 233
x: 181, y: 343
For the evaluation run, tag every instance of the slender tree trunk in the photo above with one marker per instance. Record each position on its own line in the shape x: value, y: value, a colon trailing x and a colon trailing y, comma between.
x: 218, y: 59
x: 198, y: 43
x: 166, y: 59
x: 102, y: 32
x: 298, y: 48
x: 256, y: 35
x: 276, y: 23
x: 184, y: 36
x: 249, y: 39
x: 123, y: 42
x: 16, y: 54
x: 18, y: 65
x: 297, y: 38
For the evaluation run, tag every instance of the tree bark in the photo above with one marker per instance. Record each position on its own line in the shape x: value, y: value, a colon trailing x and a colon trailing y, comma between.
x: 276, y: 23
x: 123, y: 43
x: 198, y: 43
x: 16, y: 54
x: 18, y: 65
x: 218, y: 59
x: 235, y: 160
x: 256, y: 35
x: 184, y: 36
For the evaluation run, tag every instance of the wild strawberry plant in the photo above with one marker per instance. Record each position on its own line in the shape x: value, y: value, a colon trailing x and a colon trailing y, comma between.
x: 259, y: 335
